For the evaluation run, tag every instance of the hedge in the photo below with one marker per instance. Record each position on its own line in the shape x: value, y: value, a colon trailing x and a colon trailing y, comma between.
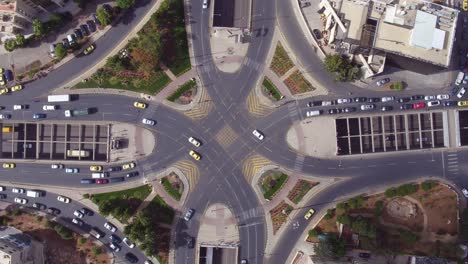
x: 182, y: 89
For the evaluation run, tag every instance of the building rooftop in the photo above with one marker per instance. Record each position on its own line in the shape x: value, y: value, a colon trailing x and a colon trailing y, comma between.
x: 355, y: 15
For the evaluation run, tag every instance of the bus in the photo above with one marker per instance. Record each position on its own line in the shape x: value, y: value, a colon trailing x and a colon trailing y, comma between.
x: 58, y: 98
x: 78, y: 153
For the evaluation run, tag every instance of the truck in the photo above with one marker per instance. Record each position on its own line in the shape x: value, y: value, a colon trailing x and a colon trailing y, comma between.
x: 58, y: 98
x: 33, y: 193
x: 77, y: 112
x: 78, y: 153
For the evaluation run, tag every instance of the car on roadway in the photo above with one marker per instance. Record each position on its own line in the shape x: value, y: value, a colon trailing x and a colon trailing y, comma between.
x: 360, y: 99
x: 364, y: 255
x: 334, y: 111
x: 244, y: 261
x: 56, y: 166
x: 77, y: 222
x: 18, y: 190
x: 194, y: 155
x: 314, y: 103
x: 258, y: 134
x: 49, y: 107
x: 17, y: 88
x: 189, y: 214
x: 383, y: 81
x: 114, y: 169
x: 114, y: 247
x: 20, y: 200
x: 140, y: 105
x: 9, y: 165
x: 443, y: 96
x: 115, y: 239
x: 39, y: 116
x: 367, y: 107
x: 53, y: 211
x: 131, y: 258
x: 344, y: 100
x: 462, y: 103
x: 350, y: 109
x: 406, y: 106
x: 89, y: 49
x: 419, y: 105
x: 110, y: 227
x: 450, y: 103
x: 5, y: 116
x: 39, y: 206
x: 433, y: 103
x: 63, y: 199
x: 205, y: 4
x: 3, y: 90
x: 149, y: 122
x: 95, y: 168
x: 374, y: 100
x: 194, y: 141
x: 19, y: 107
x: 417, y: 97
x: 404, y: 99
x: 386, y: 99
x: 429, y: 97
x: 309, y: 214
x: 102, y: 181
x: 132, y: 174
x: 461, y: 92
x: 128, y: 242
x: 386, y: 108
x: 128, y: 166
x: 2, y: 188
x: 78, y: 214
x: 87, y: 211
x: 465, y: 192
x: 72, y: 170
x: 465, y: 5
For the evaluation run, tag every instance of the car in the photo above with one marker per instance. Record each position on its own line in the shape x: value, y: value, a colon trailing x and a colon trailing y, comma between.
x: 404, y: 99
x: 39, y: 206
x: 63, y: 199
x: 128, y: 166
x: 19, y: 107
x: 433, y: 103
x: 334, y: 111
x: 96, y: 20
x: 8, y: 75
x: 66, y: 43
x: 429, y: 97
x: 91, y: 25
x: 454, y: 90
x: 115, y: 239
x: 56, y: 166
x: 110, y: 227
x: 386, y: 108
x: 417, y: 97
x: 89, y: 49
x: 462, y: 103
x: 140, y: 105
x: 327, y: 103
x: 350, y: 109
x: 77, y: 222
x: 18, y: 190
x: 71, y: 39
x: 3, y: 90
x: 314, y: 113
x: 195, y: 155
x: 3, y: 196
x: 17, y: 88
x: 2, y: 188
x: 309, y: 214
x: 132, y: 174
x: 383, y: 81
x: 39, y: 116
x: 148, y: 121
x: 450, y: 103
x: 244, y: 261
x: 49, y: 107
x: 386, y: 99
x: 131, y: 258
x: 258, y: 134
x: 374, y: 100
x: 53, y: 211
x: 461, y: 92
x: 419, y: 105
x: 364, y: 255
x: 72, y: 170
x: 465, y: 5
x: 205, y: 4
x: 465, y: 192
x: 194, y: 141
x: 406, y: 106
x: 148, y: 262
x: 189, y: 214
x: 366, y: 107
x: 360, y: 99
x: 114, y: 247
x: 128, y: 242
x: 344, y: 100
x: 108, y: 8
x: 114, y: 169
x: 20, y: 200
x: 191, y: 242
x: 87, y: 211
x: 5, y: 116
x: 78, y: 34
x: 95, y: 168
x: 317, y: 34
x: 78, y: 214
x: 2, y: 81
x: 9, y: 165
x: 102, y: 181
x: 314, y: 103
x: 443, y: 96
x: 84, y: 30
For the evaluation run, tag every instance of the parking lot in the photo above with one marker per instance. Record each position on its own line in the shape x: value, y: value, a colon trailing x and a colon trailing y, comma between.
x: 52, y: 141
x: 384, y: 133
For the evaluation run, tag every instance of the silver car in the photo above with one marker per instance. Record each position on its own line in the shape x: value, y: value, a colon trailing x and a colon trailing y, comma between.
x: 188, y: 215
x: 367, y: 107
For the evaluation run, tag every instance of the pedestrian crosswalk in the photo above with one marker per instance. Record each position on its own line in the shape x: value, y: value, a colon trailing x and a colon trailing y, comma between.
x: 255, y: 107
x: 452, y: 165
x: 226, y: 136
x: 252, y: 165
x: 252, y: 64
x: 203, y: 108
x: 190, y: 170
x: 293, y: 112
x: 249, y: 214
x: 299, y: 163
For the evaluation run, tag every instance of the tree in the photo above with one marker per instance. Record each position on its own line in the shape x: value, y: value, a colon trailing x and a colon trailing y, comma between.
x: 314, y: 232
x: 103, y: 16
x: 334, y: 63
x: 107, y: 206
x: 124, y: 4
x: 20, y: 40
x: 353, y: 73
x: 10, y: 44
x: 330, y: 248
x: 391, y: 192
x: 63, y: 232
x: 344, y: 219
x: 379, y: 206
x: 96, y: 251
x: 60, y: 52
x: 116, y: 63
x: 38, y: 28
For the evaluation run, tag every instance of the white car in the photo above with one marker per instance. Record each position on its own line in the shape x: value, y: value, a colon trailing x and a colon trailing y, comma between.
x: 388, y: 99
x: 344, y: 100
x: 21, y: 200
x: 18, y: 190
x: 5, y: 116
x: 49, y: 107
x: 465, y: 192
x: 18, y: 107
x: 443, y: 96
x: 188, y: 215
x: 258, y: 134
x: 63, y: 199
x: 56, y: 166
x: 72, y: 170
x: 461, y: 92
x: 110, y: 227
x: 367, y: 107
x: 194, y: 141
x: 205, y: 4
x: 78, y: 214
x: 114, y: 247
x: 77, y: 221
x: 148, y: 122
x: 433, y: 103
x: 2, y: 188
x: 128, y: 243
x: 429, y: 97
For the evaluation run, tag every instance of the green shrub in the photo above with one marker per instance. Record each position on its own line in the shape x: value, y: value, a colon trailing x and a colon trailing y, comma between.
x: 427, y: 185
x: 86, y: 195
x: 10, y: 44
x: 170, y: 190
x: 344, y: 219
x: 279, y: 183
x: 49, y: 224
x: 182, y: 89
x: 406, y: 189
x: 63, y: 232
x: 96, y: 251
x: 391, y: 192
x: 379, y: 206
x: 408, y: 237
x: 16, y: 212
x: 39, y: 218
x: 271, y: 88
x: 329, y: 214
x: 314, y: 232
x: 81, y: 241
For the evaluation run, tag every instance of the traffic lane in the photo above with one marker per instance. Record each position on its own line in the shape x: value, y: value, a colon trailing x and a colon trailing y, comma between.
x: 66, y: 215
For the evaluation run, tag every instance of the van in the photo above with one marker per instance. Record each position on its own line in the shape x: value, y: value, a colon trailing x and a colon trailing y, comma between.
x: 87, y: 181
x: 460, y: 77
x: 98, y: 175
x: 96, y: 233
x: 313, y: 113
x: 33, y: 193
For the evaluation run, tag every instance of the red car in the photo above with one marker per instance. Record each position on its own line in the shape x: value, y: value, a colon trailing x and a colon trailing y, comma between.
x: 419, y: 105
x: 102, y: 181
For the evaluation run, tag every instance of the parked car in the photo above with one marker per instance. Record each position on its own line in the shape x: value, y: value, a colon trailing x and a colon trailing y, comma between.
x: 374, y: 100
x: 39, y: 116
x: 78, y: 214
x: 366, y: 107
x: 89, y: 49
x: 132, y: 174
x: 114, y: 247
x: 360, y: 99
x: 53, y: 211
x: 128, y: 166
x: 149, y: 122
x: 72, y: 170
x: 114, y: 169
x: 344, y: 100
x: 417, y: 97
x: 194, y: 141
x: 404, y: 99
x: 364, y: 255
x: 20, y: 200
x: 462, y: 103
x: 18, y: 190
x: 334, y: 111
x: 386, y: 99
x: 465, y: 192
x: 128, y: 243
x: 450, y: 103
x: 195, y: 155
x: 96, y: 20
x: 66, y: 43
x: 49, y: 107
x: 461, y: 92
x: 383, y: 81
x: 5, y: 116
x: 406, y: 106
x: 110, y: 227
x: 77, y: 222
x: 63, y: 199
x: 419, y: 105
x: 443, y: 96
x: 309, y: 214
x: 189, y: 214
x: 433, y: 103
x: 314, y: 103
x: 39, y: 206
x: 429, y: 97
x: 317, y: 34
x: 84, y: 30
x: 131, y: 258
x: 91, y: 25
x: 350, y: 109
x: 115, y: 239
x: 386, y: 108
x: 78, y: 34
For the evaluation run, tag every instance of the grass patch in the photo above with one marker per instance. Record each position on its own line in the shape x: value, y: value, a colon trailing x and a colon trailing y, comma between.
x: 272, y: 181
x: 281, y: 62
x: 138, y: 193
x: 398, y: 86
x: 298, y: 84
x: 181, y: 65
x: 271, y: 89
x: 182, y: 89
x: 170, y: 190
x: 300, y: 190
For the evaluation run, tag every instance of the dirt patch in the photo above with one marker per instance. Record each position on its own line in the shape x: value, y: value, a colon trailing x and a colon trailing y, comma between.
x: 298, y: 84
x: 281, y: 62
x: 299, y: 190
x: 401, y: 212
x: 279, y: 215
x: 164, y: 238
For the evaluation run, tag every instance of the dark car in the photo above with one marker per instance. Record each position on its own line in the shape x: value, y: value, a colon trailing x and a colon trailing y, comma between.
x: 191, y: 242
x: 132, y: 174
x: 39, y: 116
x: 314, y: 103
x: 84, y: 30
x: 450, y: 103
x: 115, y: 168
x: 417, y: 97
x: 91, y: 25
x: 108, y: 8
x: 8, y: 75
x: 54, y: 211
x: 406, y: 106
x: 386, y: 108
x: 374, y: 100
x: 87, y: 211
x: 66, y: 43
x: 334, y: 111
x: 404, y: 99
x: 39, y: 206
x: 350, y: 109
x: 317, y: 34
x: 364, y: 255
x: 96, y: 20
x: 117, y: 179
x: 454, y: 90
x: 115, y: 239
x: 3, y: 196
x: 78, y: 34
x: 360, y: 99
x: 131, y: 258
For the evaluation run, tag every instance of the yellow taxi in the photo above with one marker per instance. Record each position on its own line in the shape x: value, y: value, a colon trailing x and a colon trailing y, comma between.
x: 17, y: 88
x: 3, y: 91
x: 465, y: 5
x: 95, y: 168
x: 9, y: 165
x: 2, y: 70
x: 128, y: 166
x: 89, y: 49
x: 309, y: 214
x: 462, y: 103
x: 2, y: 81
x: 194, y: 155
x: 140, y: 105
